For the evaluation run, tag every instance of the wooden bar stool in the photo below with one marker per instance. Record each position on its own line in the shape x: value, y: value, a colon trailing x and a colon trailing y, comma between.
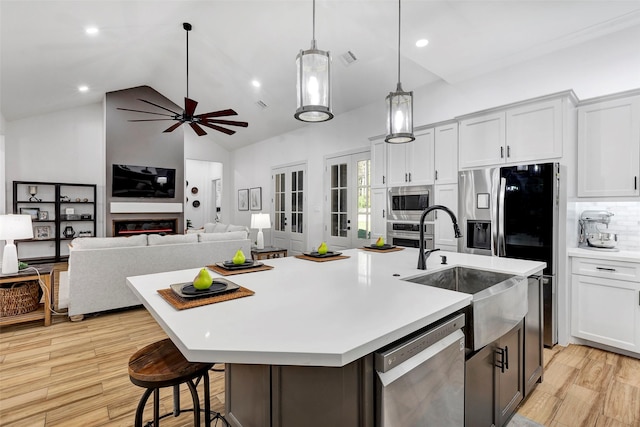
x: 161, y: 365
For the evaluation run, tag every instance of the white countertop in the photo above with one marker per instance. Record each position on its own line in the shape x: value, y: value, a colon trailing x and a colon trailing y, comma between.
x: 628, y: 256
x: 314, y: 314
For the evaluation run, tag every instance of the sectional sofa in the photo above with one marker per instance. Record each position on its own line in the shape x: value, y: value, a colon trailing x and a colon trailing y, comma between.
x: 99, y: 266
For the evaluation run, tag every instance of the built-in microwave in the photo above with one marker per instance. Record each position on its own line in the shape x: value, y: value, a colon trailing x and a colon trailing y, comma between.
x: 407, y: 203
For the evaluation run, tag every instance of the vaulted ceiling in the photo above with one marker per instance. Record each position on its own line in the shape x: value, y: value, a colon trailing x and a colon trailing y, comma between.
x: 46, y: 55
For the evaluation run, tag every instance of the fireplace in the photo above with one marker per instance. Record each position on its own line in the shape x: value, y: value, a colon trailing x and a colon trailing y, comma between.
x: 131, y: 227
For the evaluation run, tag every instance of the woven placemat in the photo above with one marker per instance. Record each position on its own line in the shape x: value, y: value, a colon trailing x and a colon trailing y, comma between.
x: 224, y: 272
x: 316, y: 259
x: 180, y: 303
x: 396, y: 249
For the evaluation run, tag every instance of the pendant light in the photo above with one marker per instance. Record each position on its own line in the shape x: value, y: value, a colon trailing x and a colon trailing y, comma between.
x: 313, y: 82
x: 399, y: 108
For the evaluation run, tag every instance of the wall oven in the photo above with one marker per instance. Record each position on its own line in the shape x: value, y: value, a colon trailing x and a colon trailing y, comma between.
x: 407, y: 234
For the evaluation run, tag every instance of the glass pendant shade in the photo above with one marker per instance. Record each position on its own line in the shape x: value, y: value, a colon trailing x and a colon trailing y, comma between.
x: 399, y: 116
x: 313, y: 85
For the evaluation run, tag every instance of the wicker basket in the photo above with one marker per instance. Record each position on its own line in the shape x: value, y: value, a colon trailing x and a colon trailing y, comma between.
x: 19, y: 298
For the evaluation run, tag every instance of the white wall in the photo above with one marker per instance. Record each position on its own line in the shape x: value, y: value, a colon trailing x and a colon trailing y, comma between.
x: 597, y: 68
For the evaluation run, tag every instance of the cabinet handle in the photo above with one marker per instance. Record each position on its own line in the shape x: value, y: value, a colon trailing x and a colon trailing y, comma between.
x: 382, y: 213
x: 501, y: 362
x: 383, y: 179
x: 406, y: 177
x: 635, y: 182
x: 502, y: 152
x: 436, y: 175
x: 508, y: 151
x: 409, y: 176
x: 605, y: 269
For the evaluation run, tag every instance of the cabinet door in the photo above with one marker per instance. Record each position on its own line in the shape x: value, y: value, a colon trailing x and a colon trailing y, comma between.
x: 397, y: 164
x: 479, y: 388
x: 609, y: 148
x: 482, y: 141
x: 446, y: 154
x: 378, y: 164
x: 534, y: 132
x: 533, y: 335
x: 446, y: 195
x: 378, y: 213
x: 510, y: 383
x: 420, y: 161
x: 606, y: 311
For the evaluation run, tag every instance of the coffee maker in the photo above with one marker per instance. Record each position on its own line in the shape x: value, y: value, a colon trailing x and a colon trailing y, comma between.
x: 591, y: 237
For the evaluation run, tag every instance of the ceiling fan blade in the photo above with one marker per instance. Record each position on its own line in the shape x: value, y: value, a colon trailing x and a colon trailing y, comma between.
x: 226, y: 122
x: 197, y: 128
x: 173, y: 127
x: 218, y: 128
x: 159, y: 106
x: 146, y: 112
x: 189, y: 107
x: 227, y: 112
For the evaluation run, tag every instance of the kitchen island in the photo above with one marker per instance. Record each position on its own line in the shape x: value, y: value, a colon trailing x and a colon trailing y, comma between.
x: 314, y: 321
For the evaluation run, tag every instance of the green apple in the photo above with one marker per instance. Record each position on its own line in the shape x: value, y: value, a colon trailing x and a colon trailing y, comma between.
x: 322, y: 249
x: 380, y: 241
x: 239, y: 257
x: 203, y: 280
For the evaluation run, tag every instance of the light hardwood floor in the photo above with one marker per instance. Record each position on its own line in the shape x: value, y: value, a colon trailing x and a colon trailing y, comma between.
x: 75, y: 373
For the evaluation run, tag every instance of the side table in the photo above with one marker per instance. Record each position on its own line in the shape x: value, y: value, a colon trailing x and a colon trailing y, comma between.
x: 267, y: 253
x: 44, y: 311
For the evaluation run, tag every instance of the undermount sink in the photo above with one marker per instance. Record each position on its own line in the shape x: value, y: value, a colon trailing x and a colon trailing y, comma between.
x: 499, y: 300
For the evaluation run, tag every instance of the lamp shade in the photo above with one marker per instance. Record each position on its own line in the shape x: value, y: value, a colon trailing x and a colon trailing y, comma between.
x: 260, y: 221
x: 15, y: 227
x: 399, y: 116
x: 313, y: 85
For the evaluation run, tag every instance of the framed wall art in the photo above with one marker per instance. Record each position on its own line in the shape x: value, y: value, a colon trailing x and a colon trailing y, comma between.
x: 255, y: 199
x: 43, y: 216
x: 41, y: 232
x: 34, y: 212
x: 243, y: 199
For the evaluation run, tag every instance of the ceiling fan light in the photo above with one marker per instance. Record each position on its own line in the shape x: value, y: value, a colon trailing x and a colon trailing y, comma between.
x: 399, y: 117
x: 313, y: 85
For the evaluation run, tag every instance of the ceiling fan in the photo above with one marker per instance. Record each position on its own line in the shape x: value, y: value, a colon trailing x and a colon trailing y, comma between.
x: 196, y: 121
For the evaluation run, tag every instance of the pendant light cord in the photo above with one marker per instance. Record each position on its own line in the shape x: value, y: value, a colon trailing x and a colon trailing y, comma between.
x: 313, y: 26
x: 399, y: 14
x: 188, y: 61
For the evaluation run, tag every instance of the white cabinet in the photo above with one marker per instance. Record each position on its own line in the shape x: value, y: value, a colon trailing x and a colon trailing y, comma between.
x: 378, y: 163
x: 378, y: 213
x: 411, y: 163
x: 482, y: 140
x: 526, y: 132
x: 609, y: 148
x: 605, y: 299
x: 446, y: 195
x: 446, y: 153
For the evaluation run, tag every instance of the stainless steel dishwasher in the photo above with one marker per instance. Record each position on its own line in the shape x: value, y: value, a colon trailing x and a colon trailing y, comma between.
x: 420, y: 380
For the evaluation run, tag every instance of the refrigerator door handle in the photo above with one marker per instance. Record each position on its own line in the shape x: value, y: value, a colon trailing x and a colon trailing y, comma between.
x: 501, y: 240
x: 495, y: 186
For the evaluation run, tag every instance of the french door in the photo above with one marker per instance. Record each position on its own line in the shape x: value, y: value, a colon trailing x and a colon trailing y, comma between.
x: 289, y: 186
x: 348, y: 200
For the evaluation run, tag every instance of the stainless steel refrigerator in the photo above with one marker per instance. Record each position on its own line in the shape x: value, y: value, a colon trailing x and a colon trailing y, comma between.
x: 512, y: 211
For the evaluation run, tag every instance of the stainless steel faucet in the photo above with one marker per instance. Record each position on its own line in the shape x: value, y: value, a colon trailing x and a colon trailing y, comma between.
x: 422, y: 256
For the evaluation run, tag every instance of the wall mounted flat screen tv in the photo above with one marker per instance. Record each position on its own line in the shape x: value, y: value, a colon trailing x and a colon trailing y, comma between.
x: 143, y: 181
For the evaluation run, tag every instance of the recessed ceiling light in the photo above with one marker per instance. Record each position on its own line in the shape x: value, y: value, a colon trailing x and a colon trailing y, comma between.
x: 83, y: 88
x: 92, y: 31
x: 422, y: 42
x: 255, y: 83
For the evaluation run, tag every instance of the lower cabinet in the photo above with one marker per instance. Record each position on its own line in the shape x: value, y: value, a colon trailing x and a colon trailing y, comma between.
x: 293, y: 396
x: 533, y: 335
x: 494, y: 380
x: 605, y: 302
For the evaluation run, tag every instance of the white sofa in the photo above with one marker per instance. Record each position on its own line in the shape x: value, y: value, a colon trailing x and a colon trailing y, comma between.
x: 98, y: 267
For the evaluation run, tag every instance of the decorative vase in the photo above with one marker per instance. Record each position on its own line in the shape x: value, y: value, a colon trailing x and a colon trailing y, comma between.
x: 69, y: 232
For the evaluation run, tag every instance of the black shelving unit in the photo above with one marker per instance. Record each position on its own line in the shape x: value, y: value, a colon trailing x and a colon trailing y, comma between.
x: 67, y: 205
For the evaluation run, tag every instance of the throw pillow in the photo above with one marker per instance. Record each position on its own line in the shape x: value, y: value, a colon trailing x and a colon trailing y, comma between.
x: 108, y: 242
x: 171, y: 239
x: 216, y: 237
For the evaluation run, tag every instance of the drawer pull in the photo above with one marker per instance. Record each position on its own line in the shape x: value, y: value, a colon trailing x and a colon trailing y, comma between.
x: 605, y: 269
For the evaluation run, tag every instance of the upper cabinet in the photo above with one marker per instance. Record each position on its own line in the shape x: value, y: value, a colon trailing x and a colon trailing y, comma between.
x: 525, y: 132
x: 446, y: 153
x: 609, y: 146
x: 411, y: 163
x: 378, y: 163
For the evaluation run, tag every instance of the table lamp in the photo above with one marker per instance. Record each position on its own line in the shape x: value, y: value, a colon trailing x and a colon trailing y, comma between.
x: 260, y: 221
x: 13, y: 227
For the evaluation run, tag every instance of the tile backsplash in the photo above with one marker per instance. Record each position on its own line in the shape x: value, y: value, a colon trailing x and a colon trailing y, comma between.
x: 625, y: 221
